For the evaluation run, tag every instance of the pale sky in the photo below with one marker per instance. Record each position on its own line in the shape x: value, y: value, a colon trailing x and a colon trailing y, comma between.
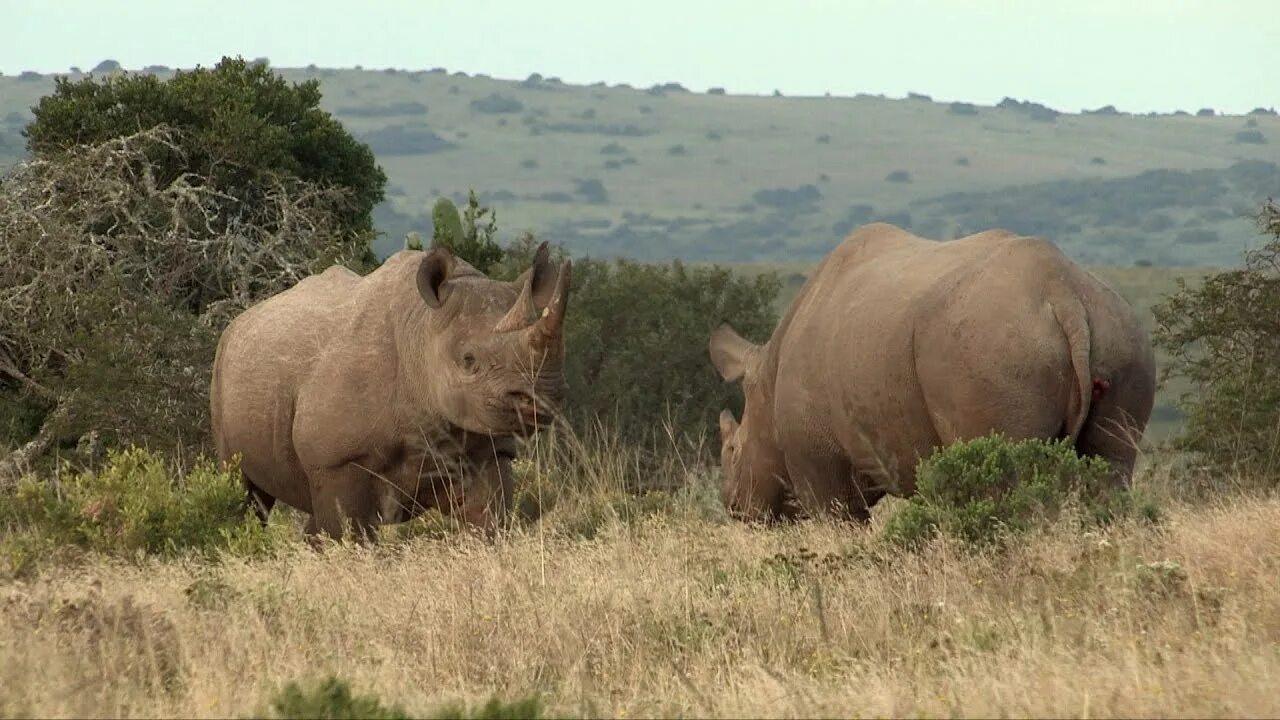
x: 1140, y: 55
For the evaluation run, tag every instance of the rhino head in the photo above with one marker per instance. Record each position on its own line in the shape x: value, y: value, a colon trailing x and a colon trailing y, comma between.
x: 752, y: 465
x: 494, y: 352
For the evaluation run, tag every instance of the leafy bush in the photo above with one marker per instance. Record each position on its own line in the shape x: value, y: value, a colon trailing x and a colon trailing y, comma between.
x: 1198, y: 237
x: 591, y: 190
x: 1252, y: 137
x: 135, y: 503
x: 962, y: 108
x: 898, y: 176
x: 1222, y: 336
x: 983, y: 491
x: 119, y: 267
x: 403, y: 107
x: 406, y: 140
x: 785, y: 198
x: 497, y: 104
x: 330, y: 699
x: 469, y: 235
x: 240, y: 126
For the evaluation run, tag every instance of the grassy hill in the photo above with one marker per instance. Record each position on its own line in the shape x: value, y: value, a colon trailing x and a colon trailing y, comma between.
x: 662, y: 172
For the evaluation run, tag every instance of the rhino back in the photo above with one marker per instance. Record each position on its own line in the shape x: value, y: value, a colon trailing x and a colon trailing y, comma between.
x: 904, y: 343
x: 263, y: 357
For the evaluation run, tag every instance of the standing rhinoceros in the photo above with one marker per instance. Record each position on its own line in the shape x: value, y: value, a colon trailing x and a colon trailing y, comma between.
x: 897, y: 345
x: 370, y: 399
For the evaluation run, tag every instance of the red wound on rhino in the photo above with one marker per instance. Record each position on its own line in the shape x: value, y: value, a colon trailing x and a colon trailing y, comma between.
x: 1100, y: 388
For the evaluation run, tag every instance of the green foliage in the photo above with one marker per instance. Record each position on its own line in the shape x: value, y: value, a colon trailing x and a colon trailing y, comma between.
x: 494, y: 708
x: 118, y: 300
x: 239, y: 122
x: 636, y: 339
x: 495, y: 104
x: 330, y: 699
x: 469, y: 236
x: 983, y: 491
x: 136, y: 503
x: 1224, y: 337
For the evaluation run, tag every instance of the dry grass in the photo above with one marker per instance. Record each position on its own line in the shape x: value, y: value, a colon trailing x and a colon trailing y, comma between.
x: 672, y: 615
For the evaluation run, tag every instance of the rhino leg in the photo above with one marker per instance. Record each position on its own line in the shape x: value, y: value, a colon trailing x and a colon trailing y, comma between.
x: 259, y: 500
x: 342, y: 500
x: 822, y: 484
x: 1112, y: 432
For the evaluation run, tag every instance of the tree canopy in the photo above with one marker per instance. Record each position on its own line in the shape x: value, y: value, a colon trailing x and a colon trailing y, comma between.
x: 238, y: 123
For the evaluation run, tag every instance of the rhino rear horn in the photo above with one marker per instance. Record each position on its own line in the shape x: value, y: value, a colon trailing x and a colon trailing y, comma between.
x: 549, y: 327
x: 535, y: 290
x: 433, y: 274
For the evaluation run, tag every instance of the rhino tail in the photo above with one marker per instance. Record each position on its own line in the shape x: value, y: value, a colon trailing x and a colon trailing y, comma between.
x: 1074, y: 321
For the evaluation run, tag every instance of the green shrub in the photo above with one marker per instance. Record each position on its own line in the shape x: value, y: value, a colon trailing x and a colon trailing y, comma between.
x: 210, y: 191
x: 134, y: 504
x: 239, y: 122
x: 982, y: 491
x: 1222, y: 336
x: 470, y: 235
x: 526, y: 708
x: 330, y: 699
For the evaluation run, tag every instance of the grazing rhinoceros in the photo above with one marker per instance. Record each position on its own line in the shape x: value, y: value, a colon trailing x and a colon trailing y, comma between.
x: 897, y: 345
x: 370, y: 399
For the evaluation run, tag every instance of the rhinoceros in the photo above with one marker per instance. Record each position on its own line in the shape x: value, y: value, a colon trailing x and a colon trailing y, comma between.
x: 367, y: 400
x: 898, y: 345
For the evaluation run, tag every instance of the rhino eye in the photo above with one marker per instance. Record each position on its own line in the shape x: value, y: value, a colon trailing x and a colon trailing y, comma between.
x: 468, y: 361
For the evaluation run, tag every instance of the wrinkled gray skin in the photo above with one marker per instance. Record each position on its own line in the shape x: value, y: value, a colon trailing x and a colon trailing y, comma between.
x: 367, y: 400
x: 897, y: 345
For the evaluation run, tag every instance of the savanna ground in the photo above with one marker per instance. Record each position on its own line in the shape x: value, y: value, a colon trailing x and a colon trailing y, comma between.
x: 614, y: 604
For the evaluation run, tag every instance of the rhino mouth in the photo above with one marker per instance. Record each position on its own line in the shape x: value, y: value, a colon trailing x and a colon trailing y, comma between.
x: 530, y: 412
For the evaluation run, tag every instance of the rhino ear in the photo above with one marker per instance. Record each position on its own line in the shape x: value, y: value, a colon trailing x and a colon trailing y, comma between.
x: 730, y: 353
x: 728, y: 425
x: 433, y: 271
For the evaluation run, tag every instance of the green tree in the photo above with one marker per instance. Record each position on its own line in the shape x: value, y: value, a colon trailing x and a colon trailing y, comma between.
x: 1224, y: 336
x: 241, y: 127
x: 116, y: 281
x: 469, y: 235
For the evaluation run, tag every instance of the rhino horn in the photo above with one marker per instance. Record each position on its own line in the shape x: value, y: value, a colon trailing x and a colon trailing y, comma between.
x: 535, y: 288
x: 546, y: 331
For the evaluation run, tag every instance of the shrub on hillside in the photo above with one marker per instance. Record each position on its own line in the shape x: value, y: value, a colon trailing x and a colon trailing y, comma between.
x: 135, y: 503
x: 1222, y: 336
x: 406, y: 140
x: 1251, y: 137
x: 494, y: 103
x: 786, y: 198
x: 984, y: 491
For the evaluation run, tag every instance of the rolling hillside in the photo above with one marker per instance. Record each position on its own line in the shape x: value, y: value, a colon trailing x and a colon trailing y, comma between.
x: 662, y: 172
